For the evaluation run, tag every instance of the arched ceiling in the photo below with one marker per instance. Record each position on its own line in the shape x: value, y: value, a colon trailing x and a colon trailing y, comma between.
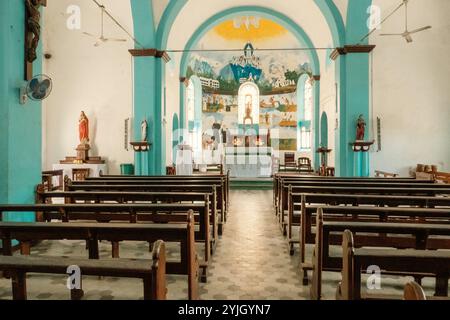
x: 305, y: 13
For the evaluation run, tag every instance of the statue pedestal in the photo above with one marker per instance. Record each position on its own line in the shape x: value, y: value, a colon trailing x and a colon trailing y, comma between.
x: 361, y: 158
x: 82, y: 156
x: 83, y: 152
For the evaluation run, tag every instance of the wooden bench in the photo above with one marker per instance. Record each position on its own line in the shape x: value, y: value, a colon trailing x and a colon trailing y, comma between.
x: 281, y: 183
x: 172, y: 199
x: 92, y: 233
x: 355, y: 261
x: 299, y: 210
x: 431, y: 190
x: 284, y: 185
x: 47, y: 179
x: 372, y: 234
x: 224, y: 177
x: 143, y: 186
x: 384, y: 174
x: 152, y: 273
x: 413, y: 291
x: 298, y: 179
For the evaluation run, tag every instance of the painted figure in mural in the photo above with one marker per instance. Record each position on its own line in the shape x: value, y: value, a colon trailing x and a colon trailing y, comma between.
x: 248, y: 108
x: 360, y: 128
x: 33, y: 27
x: 144, y: 131
x: 83, y: 128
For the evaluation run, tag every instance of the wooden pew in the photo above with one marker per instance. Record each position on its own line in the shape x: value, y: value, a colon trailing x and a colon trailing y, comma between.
x: 412, y: 290
x: 299, y: 202
x: 47, y: 179
x: 281, y: 179
x: 152, y: 273
x: 374, y: 234
x: 153, y: 197
x: 356, y: 260
x: 182, y: 233
x: 284, y: 185
x: 430, y: 190
x: 175, y: 186
x: 225, y: 180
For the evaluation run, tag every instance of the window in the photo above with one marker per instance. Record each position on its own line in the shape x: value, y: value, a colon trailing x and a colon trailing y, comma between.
x: 193, y: 91
x: 190, y: 97
x: 308, y: 100
x: 306, y: 107
x: 248, y: 104
x: 305, y: 139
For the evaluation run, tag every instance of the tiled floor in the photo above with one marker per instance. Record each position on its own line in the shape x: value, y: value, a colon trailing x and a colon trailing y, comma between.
x: 251, y: 262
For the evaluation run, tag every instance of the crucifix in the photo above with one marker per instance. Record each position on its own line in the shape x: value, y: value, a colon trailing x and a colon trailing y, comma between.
x: 32, y: 33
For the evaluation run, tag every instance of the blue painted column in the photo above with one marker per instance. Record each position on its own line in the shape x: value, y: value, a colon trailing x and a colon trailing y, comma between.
x: 20, y: 125
x: 352, y: 67
x: 148, y: 89
x: 316, y: 135
x: 365, y: 169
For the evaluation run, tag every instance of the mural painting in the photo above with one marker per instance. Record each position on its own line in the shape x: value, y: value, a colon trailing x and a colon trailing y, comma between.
x: 274, y: 72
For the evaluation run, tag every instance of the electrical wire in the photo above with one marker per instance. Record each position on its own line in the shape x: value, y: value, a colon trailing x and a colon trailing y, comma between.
x: 382, y: 21
x: 117, y: 22
x: 240, y: 49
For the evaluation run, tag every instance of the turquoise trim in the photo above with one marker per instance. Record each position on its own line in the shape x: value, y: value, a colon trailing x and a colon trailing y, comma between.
x: 20, y: 125
x: 328, y: 8
x: 334, y: 20
x: 316, y: 119
x: 278, y: 17
x: 175, y: 136
x: 159, y: 143
x: 143, y: 22
x: 324, y: 129
x: 148, y: 92
x: 165, y: 25
x: 357, y: 17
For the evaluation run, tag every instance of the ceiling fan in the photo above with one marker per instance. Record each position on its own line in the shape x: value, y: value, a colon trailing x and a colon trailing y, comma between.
x: 102, y: 38
x: 407, y: 34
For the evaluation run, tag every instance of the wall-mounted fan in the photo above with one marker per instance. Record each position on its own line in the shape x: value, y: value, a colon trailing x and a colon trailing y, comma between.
x: 101, y: 39
x: 406, y: 34
x: 36, y: 89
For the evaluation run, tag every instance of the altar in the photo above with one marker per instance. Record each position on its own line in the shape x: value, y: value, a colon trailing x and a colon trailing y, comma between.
x: 249, y: 162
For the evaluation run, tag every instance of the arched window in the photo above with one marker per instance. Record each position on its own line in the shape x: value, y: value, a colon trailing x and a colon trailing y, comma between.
x: 190, y: 103
x: 305, y: 112
x: 193, y: 110
x: 305, y: 138
x: 308, y: 100
x: 248, y: 104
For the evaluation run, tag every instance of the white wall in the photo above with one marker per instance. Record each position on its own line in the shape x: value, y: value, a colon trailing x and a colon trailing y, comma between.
x: 411, y: 89
x: 95, y: 80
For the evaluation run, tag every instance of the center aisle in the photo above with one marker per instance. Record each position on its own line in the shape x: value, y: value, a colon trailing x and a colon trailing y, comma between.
x: 252, y: 260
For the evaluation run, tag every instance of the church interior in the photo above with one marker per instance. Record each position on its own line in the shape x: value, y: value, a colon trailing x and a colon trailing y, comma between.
x: 224, y: 150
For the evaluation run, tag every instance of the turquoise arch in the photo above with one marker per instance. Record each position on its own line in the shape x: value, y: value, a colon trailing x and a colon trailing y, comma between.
x: 283, y: 20
x: 334, y: 20
x: 329, y: 10
x: 278, y: 17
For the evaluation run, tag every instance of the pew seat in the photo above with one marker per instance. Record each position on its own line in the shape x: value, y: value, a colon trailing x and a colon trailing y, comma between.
x: 152, y: 272
x: 356, y: 260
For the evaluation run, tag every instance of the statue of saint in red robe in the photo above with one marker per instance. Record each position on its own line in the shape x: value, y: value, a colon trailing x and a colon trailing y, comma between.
x: 83, y: 127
